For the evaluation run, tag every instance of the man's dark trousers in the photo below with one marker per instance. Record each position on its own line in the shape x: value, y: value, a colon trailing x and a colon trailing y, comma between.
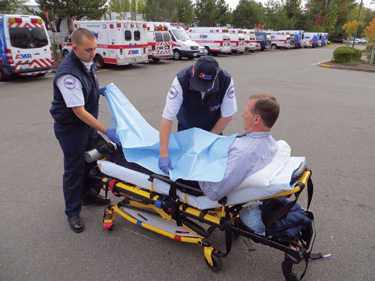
x: 75, y: 140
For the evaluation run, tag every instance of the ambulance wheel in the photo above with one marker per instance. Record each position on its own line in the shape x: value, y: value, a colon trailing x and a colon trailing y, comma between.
x: 177, y: 55
x: 40, y: 74
x: 155, y: 60
x: 274, y: 47
x: 293, y: 271
x: 217, y: 264
x: 4, y: 76
x: 208, y: 50
x: 98, y: 60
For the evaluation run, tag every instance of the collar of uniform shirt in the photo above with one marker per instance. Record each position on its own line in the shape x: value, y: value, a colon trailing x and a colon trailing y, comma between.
x: 87, y: 65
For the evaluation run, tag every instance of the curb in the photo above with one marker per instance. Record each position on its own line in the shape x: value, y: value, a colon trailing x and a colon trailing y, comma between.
x: 322, y: 64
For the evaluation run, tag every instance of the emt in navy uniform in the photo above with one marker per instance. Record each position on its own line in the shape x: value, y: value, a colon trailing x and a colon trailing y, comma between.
x: 202, y: 96
x: 75, y: 108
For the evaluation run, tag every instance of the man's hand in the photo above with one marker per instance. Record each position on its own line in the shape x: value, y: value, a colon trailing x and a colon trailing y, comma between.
x: 103, y: 90
x: 111, y: 134
x: 165, y: 164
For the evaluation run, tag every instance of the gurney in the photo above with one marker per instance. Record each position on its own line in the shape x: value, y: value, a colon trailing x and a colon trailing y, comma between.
x: 155, y: 202
x: 181, y: 212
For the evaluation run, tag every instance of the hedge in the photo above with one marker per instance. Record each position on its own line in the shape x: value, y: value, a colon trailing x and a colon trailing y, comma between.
x: 347, y: 55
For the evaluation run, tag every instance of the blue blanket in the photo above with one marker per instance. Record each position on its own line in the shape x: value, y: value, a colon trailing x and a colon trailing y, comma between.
x: 196, y: 154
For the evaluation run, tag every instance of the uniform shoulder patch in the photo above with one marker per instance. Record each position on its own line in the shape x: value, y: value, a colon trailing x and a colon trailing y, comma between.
x: 70, y: 82
x: 230, y: 92
x: 172, y: 92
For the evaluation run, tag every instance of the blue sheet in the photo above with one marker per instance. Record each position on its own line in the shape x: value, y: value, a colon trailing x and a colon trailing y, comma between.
x: 196, y: 154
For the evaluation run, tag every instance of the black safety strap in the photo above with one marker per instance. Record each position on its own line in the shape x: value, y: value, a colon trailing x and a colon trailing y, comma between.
x: 286, y: 208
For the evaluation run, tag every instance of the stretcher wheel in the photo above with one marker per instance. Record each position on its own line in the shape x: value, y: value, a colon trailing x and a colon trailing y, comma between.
x: 216, y: 263
x: 293, y: 271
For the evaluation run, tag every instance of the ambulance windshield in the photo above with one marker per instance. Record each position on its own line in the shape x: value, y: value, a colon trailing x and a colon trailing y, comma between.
x: 180, y: 34
x: 28, y: 37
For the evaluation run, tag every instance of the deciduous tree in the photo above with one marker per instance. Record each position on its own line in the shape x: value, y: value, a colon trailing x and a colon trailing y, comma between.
x: 370, y: 33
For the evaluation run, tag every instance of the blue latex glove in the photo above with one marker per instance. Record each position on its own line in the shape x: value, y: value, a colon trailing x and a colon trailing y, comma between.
x: 103, y: 90
x: 165, y: 164
x: 111, y: 134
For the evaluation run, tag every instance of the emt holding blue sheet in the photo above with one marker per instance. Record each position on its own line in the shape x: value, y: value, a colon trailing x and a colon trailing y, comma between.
x: 75, y: 109
x: 201, y: 96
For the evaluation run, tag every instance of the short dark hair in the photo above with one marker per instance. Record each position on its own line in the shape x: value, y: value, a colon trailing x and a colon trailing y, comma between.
x: 267, y: 107
x: 79, y: 33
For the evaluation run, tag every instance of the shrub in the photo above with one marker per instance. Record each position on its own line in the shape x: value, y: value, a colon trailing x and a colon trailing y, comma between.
x: 347, y: 55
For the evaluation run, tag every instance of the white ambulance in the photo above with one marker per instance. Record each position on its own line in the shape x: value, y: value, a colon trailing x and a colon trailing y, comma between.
x: 183, y: 46
x: 250, y: 40
x: 119, y: 42
x: 280, y: 40
x: 215, y: 39
x: 237, y: 40
x: 25, y: 48
x: 159, y: 42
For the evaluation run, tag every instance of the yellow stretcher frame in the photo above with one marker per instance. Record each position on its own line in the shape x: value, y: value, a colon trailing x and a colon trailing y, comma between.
x: 212, y: 216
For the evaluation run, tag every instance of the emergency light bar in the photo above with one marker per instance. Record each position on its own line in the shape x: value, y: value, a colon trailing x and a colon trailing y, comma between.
x: 19, y: 20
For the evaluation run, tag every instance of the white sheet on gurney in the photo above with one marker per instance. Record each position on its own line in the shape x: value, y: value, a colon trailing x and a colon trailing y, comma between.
x: 279, y: 183
x: 196, y: 154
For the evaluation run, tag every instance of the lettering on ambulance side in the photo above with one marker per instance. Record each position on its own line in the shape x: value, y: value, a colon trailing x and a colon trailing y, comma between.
x: 23, y: 56
x: 133, y: 52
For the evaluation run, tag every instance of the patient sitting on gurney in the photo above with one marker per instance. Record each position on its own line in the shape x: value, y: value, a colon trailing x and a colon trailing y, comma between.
x: 249, y: 152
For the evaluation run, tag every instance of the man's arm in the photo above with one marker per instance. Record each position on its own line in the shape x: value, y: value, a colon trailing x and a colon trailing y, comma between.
x: 221, y: 124
x: 90, y: 120
x: 165, y: 133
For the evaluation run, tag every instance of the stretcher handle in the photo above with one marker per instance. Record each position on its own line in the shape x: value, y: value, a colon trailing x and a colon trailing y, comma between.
x: 181, y: 186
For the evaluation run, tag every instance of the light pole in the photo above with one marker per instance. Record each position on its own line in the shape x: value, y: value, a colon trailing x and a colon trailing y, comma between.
x: 359, y: 14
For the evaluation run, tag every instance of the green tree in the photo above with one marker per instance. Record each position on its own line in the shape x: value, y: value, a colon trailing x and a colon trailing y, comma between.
x: 293, y: 9
x: 11, y: 6
x: 212, y: 13
x: 343, y: 9
x: 183, y: 12
x: 141, y: 6
x: 276, y: 16
x: 120, y: 7
x: 72, y: 10
x: 249, y: 13
x: 159, y: 10
x: 133, y: 9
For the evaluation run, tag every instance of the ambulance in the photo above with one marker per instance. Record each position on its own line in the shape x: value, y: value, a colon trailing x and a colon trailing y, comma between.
x: 25, y: 48
x: 183, y: 45
x: 119, y: 42
x: 312, y: 39
x: 237, y: 40
x: 215, y: 39
x: 280, y: 40
x: 159, y: 42
x: 250, y: 40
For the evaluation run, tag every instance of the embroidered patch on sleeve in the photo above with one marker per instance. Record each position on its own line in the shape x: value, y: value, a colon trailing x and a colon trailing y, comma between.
x: 70, y: 82
x: 230, y: 92
x: 172, y: 92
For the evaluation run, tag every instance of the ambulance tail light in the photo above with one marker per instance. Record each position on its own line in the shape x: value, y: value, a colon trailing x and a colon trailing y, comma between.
x: 144, y: 50
x: 35, y: 20
x: 118, y: 25
x: 76, y: 26
x: 9, y: 56
x: 121, y: 52
x: 144, y: 25
x: 15, y: 20
x: 111, y: 26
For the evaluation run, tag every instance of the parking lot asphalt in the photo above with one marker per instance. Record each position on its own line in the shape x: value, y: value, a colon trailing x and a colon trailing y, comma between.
x: 326, y: 115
